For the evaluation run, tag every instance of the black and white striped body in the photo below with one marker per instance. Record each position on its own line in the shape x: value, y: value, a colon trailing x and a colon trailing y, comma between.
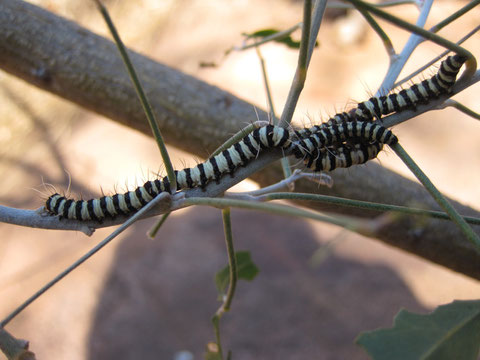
x: 328, y: 159
x: 376, y: 107
x: 214, y: 168
x: 340, y: 118
x: 421, y: 93
x: 336, y: 135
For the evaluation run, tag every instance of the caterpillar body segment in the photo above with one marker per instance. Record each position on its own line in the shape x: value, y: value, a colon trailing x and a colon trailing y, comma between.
x: 421, y: 93
x: 340, y: 118
x: 214, y: 168
x: 329, y: 159
x: 368, y: 131
x: 353, y: 131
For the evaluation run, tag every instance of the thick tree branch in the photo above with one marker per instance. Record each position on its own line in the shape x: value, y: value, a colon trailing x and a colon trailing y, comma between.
x: 66, y: 59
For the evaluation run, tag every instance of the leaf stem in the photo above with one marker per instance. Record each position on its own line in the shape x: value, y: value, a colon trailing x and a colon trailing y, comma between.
x: 387, y: 43
x: 232, y: 266
x: 141, y: 95
x: 463, y: 108
x: 362, y: 205
x: 232, y: 261
x: 455, y: 16
x: 301, y: 71
x: 343, y: 221
x: 154, y: 230
x: 285, y: 163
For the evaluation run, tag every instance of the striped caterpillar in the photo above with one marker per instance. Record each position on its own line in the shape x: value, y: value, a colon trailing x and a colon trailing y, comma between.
x: 227, y: 162
x: 421, y: 93
x: 346, y: 124
x: 214, y: 168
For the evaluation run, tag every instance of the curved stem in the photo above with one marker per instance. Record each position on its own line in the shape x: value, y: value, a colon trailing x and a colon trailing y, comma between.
x: 433, y: 61
x: 462, y: 108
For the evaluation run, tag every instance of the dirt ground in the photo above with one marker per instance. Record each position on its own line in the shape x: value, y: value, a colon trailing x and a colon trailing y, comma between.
x: 153, y: 299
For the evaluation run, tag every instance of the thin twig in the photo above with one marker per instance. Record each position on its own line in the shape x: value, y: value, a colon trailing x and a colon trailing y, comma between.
x: 268, y: 91
x: 456, y: 15
x: 232, y: 266
x: 471, y: 62
x: 318, y: 12
x: 363, y: 205
x: 232, y: 262
x: 462, y: 108
x: 387, y: 43
x: 321, y: 178
x: 433, y: 61
x: 301, y: 71
x: 352, y: 224
x: 154, y: 230
x: 439, y: 198
x: 397, y: 63
x: 285, y: 163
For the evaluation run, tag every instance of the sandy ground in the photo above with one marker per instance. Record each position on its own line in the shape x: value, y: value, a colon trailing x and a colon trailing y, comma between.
x: 147, y: 299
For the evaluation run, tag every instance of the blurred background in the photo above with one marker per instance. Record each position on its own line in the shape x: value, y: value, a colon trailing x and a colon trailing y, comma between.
x: 318, y: 286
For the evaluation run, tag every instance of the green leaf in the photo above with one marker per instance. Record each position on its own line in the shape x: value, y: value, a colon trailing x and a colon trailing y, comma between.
x: 286, y: 40
x: 452, y: 331
x: 246, y: 270
x: 263, y: 33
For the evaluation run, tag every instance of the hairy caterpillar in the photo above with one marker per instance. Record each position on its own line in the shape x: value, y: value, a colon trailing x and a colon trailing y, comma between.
x: 228, y: 161
x: 214, y: 168
x: 421, y: 93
